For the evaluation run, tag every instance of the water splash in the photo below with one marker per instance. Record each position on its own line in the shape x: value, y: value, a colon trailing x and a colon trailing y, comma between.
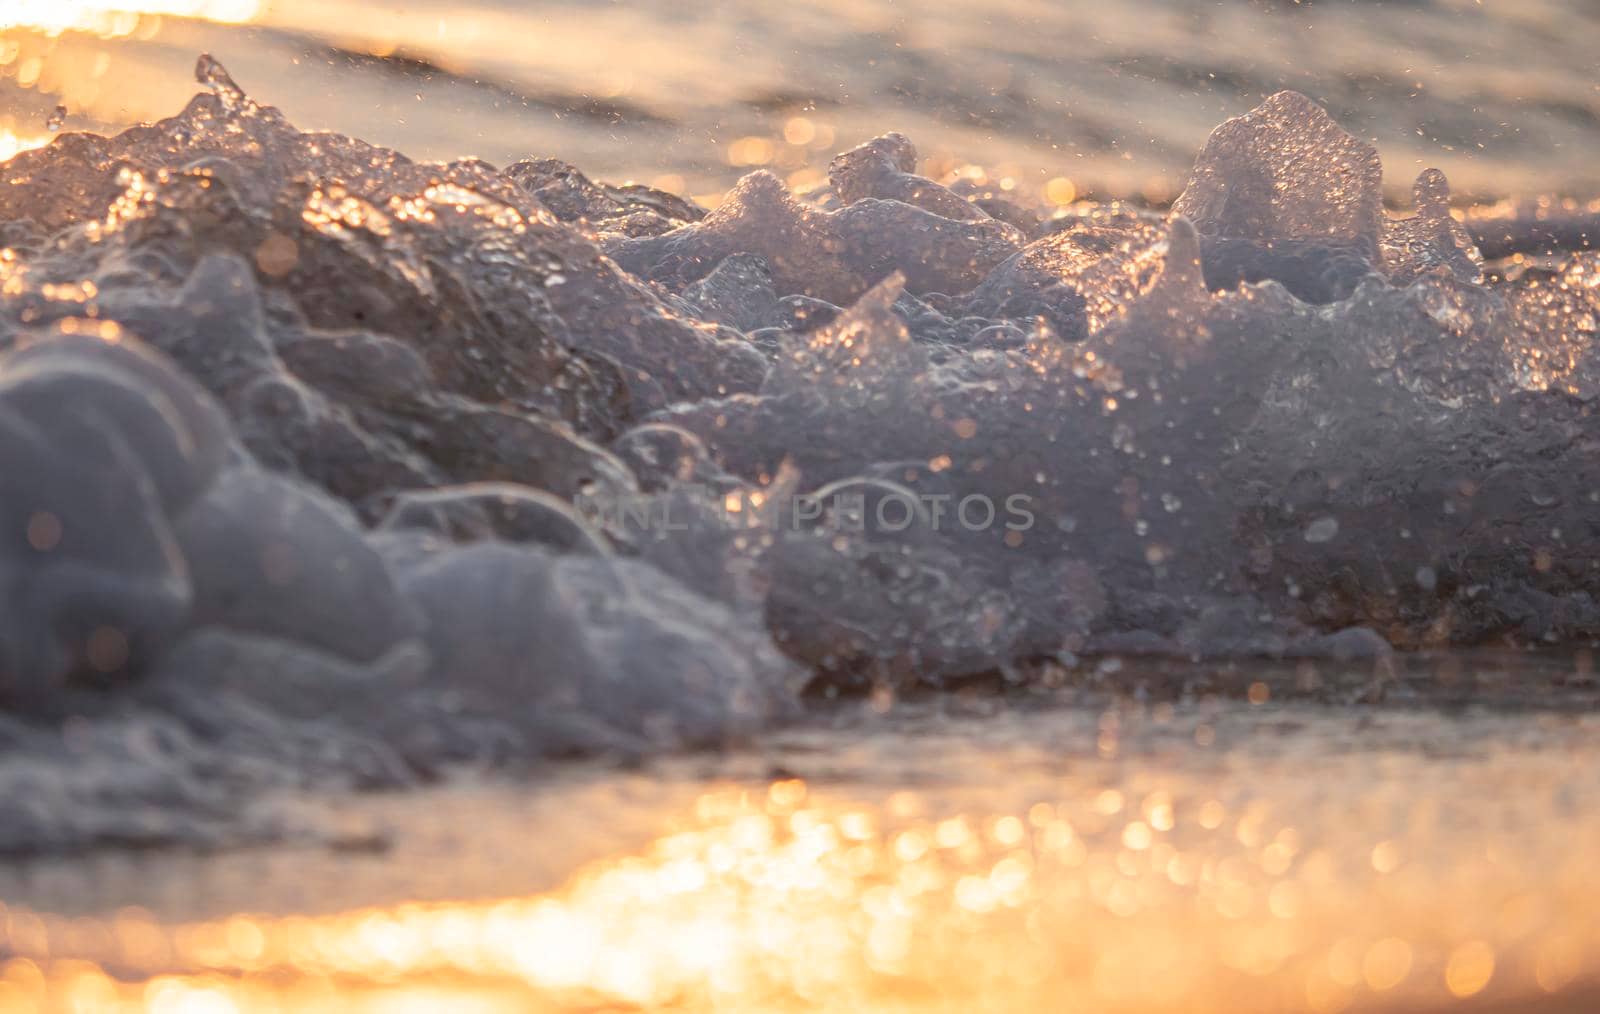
x: 1116, y: 434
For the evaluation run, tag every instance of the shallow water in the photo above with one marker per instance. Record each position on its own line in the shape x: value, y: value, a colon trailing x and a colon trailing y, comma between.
x: 1057, y: 851
x: 383, y: 539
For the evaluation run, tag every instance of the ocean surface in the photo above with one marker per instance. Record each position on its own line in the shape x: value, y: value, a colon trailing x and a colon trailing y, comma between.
x: 514, y: 506
x: 1114, y: 98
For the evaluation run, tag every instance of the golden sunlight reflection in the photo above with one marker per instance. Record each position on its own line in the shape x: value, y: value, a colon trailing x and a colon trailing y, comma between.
x: 785, y: 898
x: 12, y: 143
x: 116, y: 18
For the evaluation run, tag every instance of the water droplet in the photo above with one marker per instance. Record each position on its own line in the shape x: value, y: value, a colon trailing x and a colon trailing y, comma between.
x: 1323, y: 529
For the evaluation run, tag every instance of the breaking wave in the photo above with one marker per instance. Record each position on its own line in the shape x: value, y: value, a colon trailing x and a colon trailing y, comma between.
x: 323, y: 467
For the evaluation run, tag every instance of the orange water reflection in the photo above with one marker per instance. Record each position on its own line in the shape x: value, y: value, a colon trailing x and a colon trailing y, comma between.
x: 11, y: 142
x: 790, y: 899
x: 116, y: 18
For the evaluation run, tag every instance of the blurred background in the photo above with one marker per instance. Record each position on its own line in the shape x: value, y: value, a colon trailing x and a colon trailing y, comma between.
x: 1066, y: 99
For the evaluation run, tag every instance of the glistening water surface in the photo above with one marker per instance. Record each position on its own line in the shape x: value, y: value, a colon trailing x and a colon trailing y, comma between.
x: 960, y: 855
x: 1113, y: 98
